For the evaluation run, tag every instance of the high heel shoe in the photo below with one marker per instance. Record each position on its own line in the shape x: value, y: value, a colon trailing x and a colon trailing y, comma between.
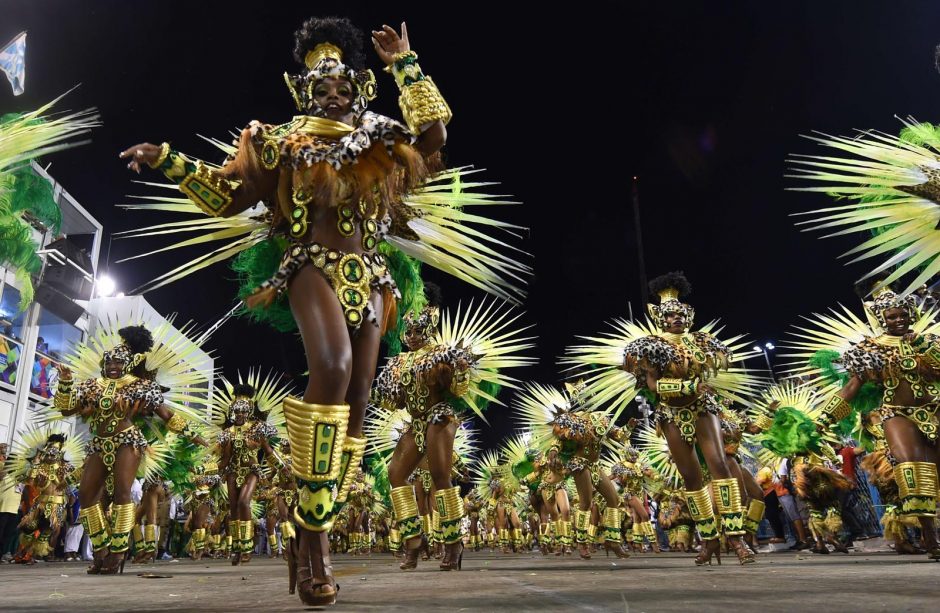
x: 745, y: 555
x: 410, y: 560
x: 113, y: 564
x: 711, y: 547
x: 453, y: 554
x: 584, y: 551
x: 617, y: 549
x: 315, y: 583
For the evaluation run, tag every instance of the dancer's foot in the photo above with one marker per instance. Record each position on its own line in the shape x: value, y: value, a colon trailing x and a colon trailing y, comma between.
x: 711, y: 547
x: 584, y: 551
x: 616, y: 549
x: 315, y: 584
x: 112, y: 564
x: 410, y: 560
x: 744, y: 553
x: 453, y: 556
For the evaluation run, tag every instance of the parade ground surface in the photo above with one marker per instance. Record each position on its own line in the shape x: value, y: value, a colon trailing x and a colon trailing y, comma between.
x: 492, y: 582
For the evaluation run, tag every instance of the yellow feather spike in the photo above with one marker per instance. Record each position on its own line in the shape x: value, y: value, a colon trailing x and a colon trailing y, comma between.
x: 599, y: 363
x: 490, y: 332
x: 384, y: 426
x: 270, y: 392
x: 904, y: 223
x: 32, y: 439
x: 805, y: 398
x: 536, y: 405
x: 36, y: 133
x: 171, y: 356
x: 654, y: 452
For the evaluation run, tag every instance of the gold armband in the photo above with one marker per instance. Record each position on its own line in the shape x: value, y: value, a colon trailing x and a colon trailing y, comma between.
x: 836, y: 409
x: 763, y: 422
x: 177, y: 423
x: 208, y: 190
x: 64, y: 400
x: 420, y: 101
x: 164, y: 154
x: 460, y: 382
x: 673, y: 388
x: 932, y: 356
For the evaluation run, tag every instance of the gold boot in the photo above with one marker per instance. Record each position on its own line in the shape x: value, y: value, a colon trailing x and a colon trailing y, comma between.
x: 613, y: 540
x: 700, y: 508
x: 316, y: 433
x: 405, y: 506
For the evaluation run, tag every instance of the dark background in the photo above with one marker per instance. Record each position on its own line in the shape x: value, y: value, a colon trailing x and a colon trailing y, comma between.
x: 702, y: 102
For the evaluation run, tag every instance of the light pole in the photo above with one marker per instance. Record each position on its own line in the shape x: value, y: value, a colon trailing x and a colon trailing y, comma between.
x: 766, y: 349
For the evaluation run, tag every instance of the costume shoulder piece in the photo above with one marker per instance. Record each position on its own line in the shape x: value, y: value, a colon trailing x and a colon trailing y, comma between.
x: 710, y: 344
x: 649, y: 351
x: 865, y: 359
x: 302, y: 141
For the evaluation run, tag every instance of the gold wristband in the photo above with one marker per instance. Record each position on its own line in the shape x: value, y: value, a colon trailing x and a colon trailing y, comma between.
x: 836, y: 409
x: 763, y: 422
x: 932, y: 357
x: 421, y: 103
x: 209, y: 190
x: 177, y: 423
x: 164, y: 153
x: 673, y: 388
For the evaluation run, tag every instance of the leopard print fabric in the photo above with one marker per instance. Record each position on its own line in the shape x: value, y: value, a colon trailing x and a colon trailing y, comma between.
x: 89, y: 391
x: 870, y: 360
x: 702, y: 353
x: 298, y: 150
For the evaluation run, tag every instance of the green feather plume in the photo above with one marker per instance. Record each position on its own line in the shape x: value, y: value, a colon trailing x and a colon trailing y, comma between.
x: 406, y: 271
x: 378, y: 467
x: 825, y: 360
x: 254, y: 266
x: 793, y: 433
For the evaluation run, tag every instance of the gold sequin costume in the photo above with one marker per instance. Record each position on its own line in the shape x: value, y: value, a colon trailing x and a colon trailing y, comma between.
x: 245, y: 441
x: 43, y: 459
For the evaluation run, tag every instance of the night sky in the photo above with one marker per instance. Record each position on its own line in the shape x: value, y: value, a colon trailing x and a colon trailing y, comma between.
x: 702, y: 102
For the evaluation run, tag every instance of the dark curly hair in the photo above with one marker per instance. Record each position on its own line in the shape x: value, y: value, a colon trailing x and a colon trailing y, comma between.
x: 56, y: 438
x: 432, y: 292
x: 137, y: 338
x: 243, y: 389
x: 675, y: 279
x: 338, y: 31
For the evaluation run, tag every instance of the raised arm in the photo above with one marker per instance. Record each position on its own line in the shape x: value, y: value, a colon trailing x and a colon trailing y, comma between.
x: 66, y: 400
x: 422, y: 105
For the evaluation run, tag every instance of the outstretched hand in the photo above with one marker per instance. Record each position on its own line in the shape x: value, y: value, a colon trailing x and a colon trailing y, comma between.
x: 388, y: 43
x: 144, y: 153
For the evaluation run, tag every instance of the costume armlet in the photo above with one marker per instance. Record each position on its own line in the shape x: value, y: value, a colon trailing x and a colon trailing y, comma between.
x: 673, y: 388
x: 763, y: 422
x: 931, y: 356
x: 460, y: 382
x: 420, y: 101
x: 205, y: 186
x: 179, y: 425
x: 64, y: 398
x: 836, y: 409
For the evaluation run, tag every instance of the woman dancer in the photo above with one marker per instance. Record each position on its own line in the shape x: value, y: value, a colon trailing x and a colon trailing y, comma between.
x: 686, y: 371
x: 130, y: 387
x: 335, y: 180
